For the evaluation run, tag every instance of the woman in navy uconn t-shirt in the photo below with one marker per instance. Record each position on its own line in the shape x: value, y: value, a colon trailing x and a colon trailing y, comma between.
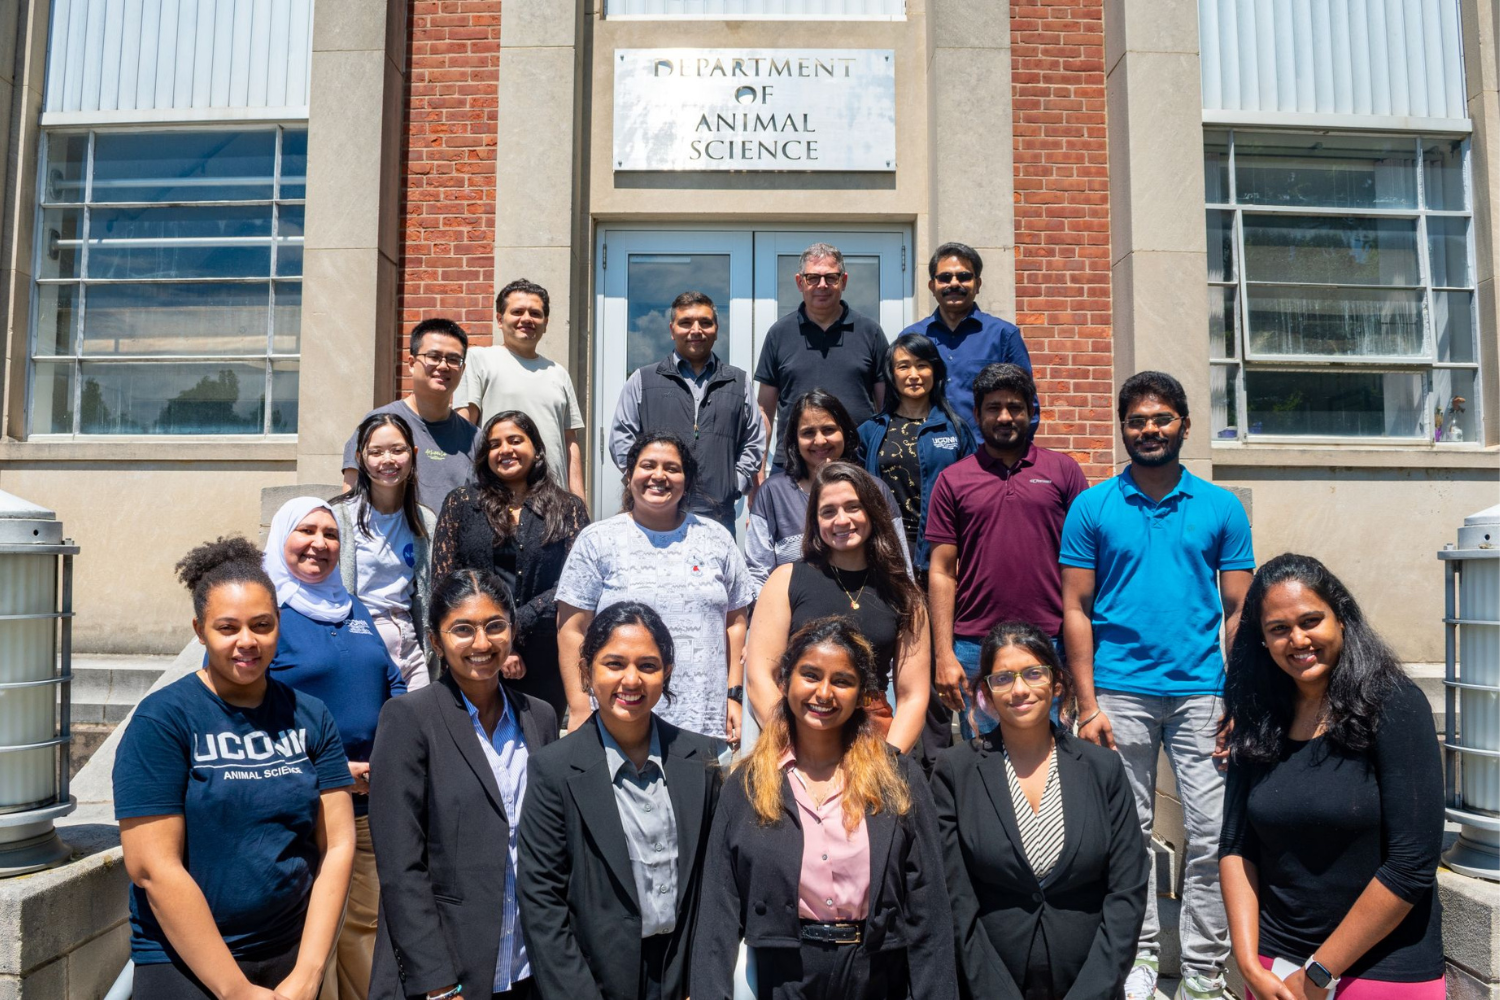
x: 231, y: 790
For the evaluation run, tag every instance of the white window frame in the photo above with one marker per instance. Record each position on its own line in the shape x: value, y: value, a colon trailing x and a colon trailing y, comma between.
x: 700, y: 10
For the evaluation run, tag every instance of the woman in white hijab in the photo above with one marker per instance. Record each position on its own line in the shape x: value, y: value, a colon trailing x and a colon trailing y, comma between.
x: 329, y: 648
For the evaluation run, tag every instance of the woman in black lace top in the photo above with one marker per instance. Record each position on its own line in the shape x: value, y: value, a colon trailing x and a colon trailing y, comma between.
x: 516, y: 521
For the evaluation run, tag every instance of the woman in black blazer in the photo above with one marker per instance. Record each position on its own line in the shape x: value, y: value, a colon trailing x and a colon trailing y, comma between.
x: 448, y: 784
x: 823, y: 855
x: 1043, y: 851
x: 616, y: 826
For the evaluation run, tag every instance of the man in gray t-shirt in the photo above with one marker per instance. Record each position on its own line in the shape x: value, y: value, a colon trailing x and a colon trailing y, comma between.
x: 446, y: 443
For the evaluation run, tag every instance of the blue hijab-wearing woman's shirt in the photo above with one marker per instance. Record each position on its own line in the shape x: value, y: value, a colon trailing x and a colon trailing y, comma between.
x: 939, y: 445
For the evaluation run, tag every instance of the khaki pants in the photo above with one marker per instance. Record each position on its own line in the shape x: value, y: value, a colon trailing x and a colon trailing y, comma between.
x: 348, y: 973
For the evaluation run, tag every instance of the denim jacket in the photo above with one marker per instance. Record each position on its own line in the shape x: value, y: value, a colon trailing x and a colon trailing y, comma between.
x: 939, y: 445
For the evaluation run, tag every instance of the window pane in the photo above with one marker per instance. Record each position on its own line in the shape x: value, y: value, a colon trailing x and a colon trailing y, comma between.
x: 200, y: 318
x: 293, y: 163
x: 284, y: 397
x: 52, y: 398
x: 288, y: 337
x: 54, y: 259
x: 289, y: 260
x: 183, y: 166
x: 136, y: 261
x: 1220, y: 245
x: 1448, y: 247
x: 174, y: 398
x: 289, y: 220
x: 1334, y: 404
x: 1222, y: 400
x: 1453, y: 388
x: 1335, y: 322
x: 1443, y: 174
x: 1326, y: 171
x: 1216, y: 167
x: 652, y: 281
x: 862, y: 293
x: 181, y: 222
x: 1223, y: 321
x: 65, y: 159
x: 56, y: 318
x: 1333, y: 249
x: 1453, y: 319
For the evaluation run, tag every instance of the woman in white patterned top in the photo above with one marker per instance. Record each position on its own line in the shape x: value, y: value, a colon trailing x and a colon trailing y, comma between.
x: 1051, y: 902
x: 685, y: 567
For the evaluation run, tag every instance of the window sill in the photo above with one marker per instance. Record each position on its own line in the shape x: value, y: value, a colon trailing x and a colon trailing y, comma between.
x: 184, y: 449
x: 1355, y: 456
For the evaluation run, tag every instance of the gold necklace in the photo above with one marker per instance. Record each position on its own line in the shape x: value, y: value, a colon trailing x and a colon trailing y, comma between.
x: 838, y: 578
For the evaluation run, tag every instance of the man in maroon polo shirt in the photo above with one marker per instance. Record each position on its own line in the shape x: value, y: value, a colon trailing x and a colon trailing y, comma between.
x: 994, y: 523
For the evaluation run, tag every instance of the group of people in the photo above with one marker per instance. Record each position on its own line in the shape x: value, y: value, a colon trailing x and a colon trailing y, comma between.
x: 454, y: 737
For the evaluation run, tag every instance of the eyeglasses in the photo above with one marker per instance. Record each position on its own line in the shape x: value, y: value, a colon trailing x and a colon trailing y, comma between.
x: 394, y: 451
x: 1035, y: 676
x: 948, y: 277
x: 436, y: 359
x: 823, y: 279
x: 465, y: 633
x: 1161, y: 421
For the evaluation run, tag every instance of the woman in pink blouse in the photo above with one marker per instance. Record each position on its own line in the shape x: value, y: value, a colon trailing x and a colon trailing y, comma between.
x: 823, y: 855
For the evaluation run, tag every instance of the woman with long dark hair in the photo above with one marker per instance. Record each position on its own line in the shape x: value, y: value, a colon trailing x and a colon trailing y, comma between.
x: 819, y: 431
x: 1333, y: 808
x: 386, y: 556
x: 823, y: 855
x: 1041, y: 842
x: 518, y: 522
x: 916, y: 436
x: 851, y: 565
x: 629, y: 786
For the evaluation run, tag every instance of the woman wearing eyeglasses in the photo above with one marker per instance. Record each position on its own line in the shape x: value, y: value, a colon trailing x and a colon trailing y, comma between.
x: 1049, y: 904
x: 445, y: 810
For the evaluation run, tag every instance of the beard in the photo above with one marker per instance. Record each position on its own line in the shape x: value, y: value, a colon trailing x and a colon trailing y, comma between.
x: 1006, y: 439
x: 1172, y: 446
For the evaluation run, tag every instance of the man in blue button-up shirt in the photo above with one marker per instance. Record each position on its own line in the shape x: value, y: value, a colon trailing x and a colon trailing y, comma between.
x: 967, y: 337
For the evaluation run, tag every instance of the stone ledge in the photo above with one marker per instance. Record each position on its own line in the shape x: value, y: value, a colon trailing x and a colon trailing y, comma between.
x: 1415, y: 457
x: 1471, y: 924
x: 51, y: 913
x: 150, y: 450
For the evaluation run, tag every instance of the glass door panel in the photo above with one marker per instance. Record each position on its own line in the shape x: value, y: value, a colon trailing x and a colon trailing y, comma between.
x: 652, y: 281
x: 862, y: 293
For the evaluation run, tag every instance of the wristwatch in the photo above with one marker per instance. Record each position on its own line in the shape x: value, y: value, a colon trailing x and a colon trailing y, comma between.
x: 737, y: 693
x: 1317, y: 973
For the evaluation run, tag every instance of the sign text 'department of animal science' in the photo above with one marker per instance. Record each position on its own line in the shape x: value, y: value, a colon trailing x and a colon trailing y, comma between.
x: 755, y: 109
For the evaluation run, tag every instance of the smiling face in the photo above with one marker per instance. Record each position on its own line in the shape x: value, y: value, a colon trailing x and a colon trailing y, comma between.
x: 1146, y: 441
x: 478, y: 657
x: 819, y: 438
x: 955, y: 284
x: 511, y: 452
x: 914, y: 378
x: 695, y: 328
x: 523, y: 320
x: 657, y: 480
x: 823, y: 690
x: 1027, y: 700
x: 842, y: 521
x: 312, y: 548
x: 1301, y: 632
x: 436, y: 379
x: 627, y: 675
x: 239, y: 630
x: 387, y: 457
x: 1004, y: 419
x: 821, y: 282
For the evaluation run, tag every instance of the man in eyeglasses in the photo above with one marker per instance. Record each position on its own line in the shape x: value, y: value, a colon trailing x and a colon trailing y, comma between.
x: 709, y: 404
x: 1154, y: 562
x: 966, y: 336
x: 823, y: 345
x: 445, y: 441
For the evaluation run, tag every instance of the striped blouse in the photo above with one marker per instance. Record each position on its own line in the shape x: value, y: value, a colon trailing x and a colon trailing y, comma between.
x: 1041, y: 831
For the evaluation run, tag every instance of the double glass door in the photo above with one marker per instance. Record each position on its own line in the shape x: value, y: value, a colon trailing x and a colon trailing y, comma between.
x: 749, y: 274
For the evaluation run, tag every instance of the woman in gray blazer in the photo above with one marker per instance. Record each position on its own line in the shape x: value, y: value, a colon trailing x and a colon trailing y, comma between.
x: 451, y: 760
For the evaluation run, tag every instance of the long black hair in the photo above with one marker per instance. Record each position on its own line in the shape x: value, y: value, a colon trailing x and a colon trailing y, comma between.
x: 457, y: 587
x: 920, y: 347
x: 1023, y: 635
x: 617, y: 616
x: 362, y: 486
x: 550, y: 501
x: 817, y: 399
x: 1259, y: 697
x: 685, y: 456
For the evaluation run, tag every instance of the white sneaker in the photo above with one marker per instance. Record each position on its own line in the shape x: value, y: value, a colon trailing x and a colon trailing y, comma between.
x: 1201, y: 988
x: 1140, y: 984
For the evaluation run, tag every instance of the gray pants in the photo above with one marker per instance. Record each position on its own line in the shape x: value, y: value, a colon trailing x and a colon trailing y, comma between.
x: 1184, y: 726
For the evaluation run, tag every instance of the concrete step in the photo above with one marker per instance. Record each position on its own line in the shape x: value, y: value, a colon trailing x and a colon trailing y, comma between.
x: 107, y: 687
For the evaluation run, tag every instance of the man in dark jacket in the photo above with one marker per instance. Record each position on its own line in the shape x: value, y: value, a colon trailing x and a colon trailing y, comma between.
x: 709, y: 404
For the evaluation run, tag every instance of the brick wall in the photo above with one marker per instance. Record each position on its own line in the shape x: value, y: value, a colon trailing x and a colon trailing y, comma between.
x: 448, y: 171
x: 1062, y: 222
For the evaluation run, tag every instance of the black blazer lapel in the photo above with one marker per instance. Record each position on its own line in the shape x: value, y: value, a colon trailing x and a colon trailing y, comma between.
x: 461, y: 728
x: 1074, y: 777
x: 687, y: 778
x: 535, y: 739
x: 593, y: 793
x: 991, y: 766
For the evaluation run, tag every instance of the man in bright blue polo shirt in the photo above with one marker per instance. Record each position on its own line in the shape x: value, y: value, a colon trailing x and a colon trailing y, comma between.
x: 966, y: 336
x: 1154, y: 561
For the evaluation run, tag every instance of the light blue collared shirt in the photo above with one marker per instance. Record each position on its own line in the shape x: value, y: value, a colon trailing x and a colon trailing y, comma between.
x: 506, y: 754
x: 650, y: 825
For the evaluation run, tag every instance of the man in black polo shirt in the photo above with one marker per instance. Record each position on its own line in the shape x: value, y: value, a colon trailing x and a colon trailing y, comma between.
x: 702, y: 400
x: 823, y: 345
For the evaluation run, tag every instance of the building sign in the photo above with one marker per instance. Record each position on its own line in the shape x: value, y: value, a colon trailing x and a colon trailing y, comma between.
x: 755, y: 109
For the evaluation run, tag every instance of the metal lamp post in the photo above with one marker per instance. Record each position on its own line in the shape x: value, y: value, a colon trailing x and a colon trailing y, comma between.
x: 1471, y: 736
x: 36, y: 631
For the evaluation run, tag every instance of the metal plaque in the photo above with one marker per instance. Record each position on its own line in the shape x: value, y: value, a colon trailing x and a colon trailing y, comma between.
x: 755, y: 109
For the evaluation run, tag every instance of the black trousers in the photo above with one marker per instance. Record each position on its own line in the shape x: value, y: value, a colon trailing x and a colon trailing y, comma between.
x: 827, y: 971
x: 524, y: 990
x: 174, y: 981
x: 653, y: 966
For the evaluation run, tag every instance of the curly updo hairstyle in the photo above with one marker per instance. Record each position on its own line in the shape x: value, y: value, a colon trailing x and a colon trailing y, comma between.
x: 232, y: 559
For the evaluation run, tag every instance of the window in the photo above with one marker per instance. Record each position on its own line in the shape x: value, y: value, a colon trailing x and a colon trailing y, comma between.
x: 168, y: 282
x: 1341, y: 287
x: 768, y: 10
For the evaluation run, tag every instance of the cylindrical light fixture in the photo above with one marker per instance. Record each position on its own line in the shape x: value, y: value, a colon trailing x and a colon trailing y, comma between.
x: 36, y: 632
x: 1471, y: 735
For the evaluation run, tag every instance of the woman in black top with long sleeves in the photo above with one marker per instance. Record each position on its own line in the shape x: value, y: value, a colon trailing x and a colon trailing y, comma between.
x: 516, y: 521
x: 1333, y: 809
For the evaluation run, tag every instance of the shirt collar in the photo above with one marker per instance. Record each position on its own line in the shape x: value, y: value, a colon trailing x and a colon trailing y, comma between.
x: 1186, y: 485
x: 686, y: 369
x: 970, y: 323
x: 990, y: 463
x: 839, y: 323
x: 474, y: 712
x: 614, y: 757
